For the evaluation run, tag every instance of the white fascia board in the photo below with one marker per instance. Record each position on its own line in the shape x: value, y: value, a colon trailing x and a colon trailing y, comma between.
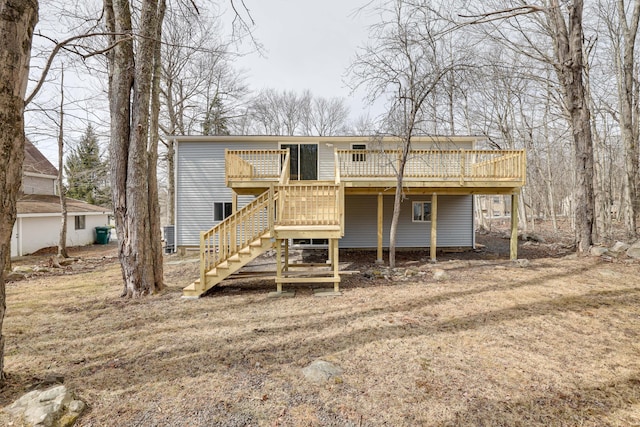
x: 58, y: 214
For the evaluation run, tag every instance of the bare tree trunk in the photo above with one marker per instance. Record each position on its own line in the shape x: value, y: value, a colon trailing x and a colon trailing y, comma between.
x: 17, y: 20
x: 62, y: 242
x: 406, y: 148
x: 130, y: 77
x: 568, y: 48
x: 154, y: 208
x: 628, y: 129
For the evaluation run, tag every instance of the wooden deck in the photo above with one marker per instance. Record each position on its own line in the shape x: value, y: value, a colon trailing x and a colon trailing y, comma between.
x: 287, y: 209
x: 370, y: 171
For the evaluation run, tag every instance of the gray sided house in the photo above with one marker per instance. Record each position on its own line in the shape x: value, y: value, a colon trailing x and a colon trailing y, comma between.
x: 330, y: 191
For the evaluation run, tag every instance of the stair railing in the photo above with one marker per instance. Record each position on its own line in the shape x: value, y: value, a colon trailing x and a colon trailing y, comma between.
x: 236, y: 232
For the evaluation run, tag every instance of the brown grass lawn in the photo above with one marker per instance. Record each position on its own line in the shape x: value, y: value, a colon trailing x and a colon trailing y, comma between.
x: 553, y: 344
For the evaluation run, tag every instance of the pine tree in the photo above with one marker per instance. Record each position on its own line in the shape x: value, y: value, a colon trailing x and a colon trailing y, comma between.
x: 86, y: 172
x: 215, y: 120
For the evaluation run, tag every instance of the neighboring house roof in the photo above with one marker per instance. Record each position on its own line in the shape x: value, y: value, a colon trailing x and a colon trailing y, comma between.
x: 36, y: 162
x: 43, y: 203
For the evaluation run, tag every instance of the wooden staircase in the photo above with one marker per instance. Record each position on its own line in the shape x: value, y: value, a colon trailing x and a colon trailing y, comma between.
x: 233, y: 243
x: 287, y: 210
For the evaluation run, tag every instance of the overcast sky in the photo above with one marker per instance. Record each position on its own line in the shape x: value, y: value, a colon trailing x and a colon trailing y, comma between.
x: 308, y: 44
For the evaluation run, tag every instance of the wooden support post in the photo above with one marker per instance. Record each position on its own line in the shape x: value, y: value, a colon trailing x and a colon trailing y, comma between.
x: 335, y: 262
x: 278, y: 265
x: 233, y: 236
x: 513, y: 252
x: 203, y: 254
x: 434, y: 227
x: 380, y: 219
x: 286, y: 254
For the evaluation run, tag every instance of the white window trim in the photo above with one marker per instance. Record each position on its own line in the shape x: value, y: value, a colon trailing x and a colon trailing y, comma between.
x: 364, y: 155
x: 213, y: 208
x: 317, y: 143
x: 421, y: 202
x: 80, y: 222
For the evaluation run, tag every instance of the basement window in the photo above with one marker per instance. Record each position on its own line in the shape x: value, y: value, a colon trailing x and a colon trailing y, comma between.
x: 221, y: 210
x: 80, y: 222
x: 421, y: 211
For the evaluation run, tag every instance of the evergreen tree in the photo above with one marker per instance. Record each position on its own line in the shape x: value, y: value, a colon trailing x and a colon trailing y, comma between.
x: 215, y: 120
x: 86, y: 172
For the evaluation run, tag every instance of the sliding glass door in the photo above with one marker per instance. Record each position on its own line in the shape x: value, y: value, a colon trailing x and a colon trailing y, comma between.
x: 303, y: 162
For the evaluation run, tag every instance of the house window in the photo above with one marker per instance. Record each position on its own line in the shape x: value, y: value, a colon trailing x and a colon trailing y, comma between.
x: 358, y: 157
x: 421, y: 211
x: 221, y: 210
x: 80, y: 222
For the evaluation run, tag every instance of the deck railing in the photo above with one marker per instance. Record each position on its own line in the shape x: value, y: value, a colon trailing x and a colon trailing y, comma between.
x: 309, y: 204
x: 254, y: 164
x: 235, y: 232
x: 464, y: 165
x: 437, y: 165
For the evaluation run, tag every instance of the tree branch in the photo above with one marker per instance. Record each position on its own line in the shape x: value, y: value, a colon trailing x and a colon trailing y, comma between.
x: 503, y: 14
x: 55, y: 51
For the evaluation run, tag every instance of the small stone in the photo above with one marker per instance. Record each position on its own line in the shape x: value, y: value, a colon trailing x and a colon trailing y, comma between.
x: 439, y: 274
x: 634, y: 251
x: 78, y: 405
x: 14, y: 276
x: 320, y: 371
x: 522, y: 263
x: 68, y: 419
x: 598, y: 250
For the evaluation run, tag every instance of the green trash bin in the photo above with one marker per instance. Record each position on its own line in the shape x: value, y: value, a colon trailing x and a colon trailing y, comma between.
x: 102, y: 235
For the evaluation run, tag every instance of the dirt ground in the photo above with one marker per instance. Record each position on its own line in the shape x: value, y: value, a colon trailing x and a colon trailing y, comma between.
x: 548, y: 342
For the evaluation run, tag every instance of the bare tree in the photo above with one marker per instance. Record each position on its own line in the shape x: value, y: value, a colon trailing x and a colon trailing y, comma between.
x: 327, y: 116
x: 622, y: 25
x: 17, y: 21
x: 131, y: 68
x: 62, y: 241
x: 403, y: 62
x: 199, y: 88
x: 562, y: 23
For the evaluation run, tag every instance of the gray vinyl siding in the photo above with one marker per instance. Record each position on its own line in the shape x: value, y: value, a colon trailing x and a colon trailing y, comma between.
x: 326, y: 168
x: 200, y: 183
x: 455, y: 222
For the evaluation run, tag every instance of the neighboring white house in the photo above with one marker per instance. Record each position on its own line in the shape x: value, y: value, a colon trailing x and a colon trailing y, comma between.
x: 39, y: 215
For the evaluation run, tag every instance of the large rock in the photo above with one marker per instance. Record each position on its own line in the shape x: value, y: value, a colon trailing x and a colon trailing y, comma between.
x: 320, y: 371
x: 619, y: 247
x: 598, y: 250
x: 55, y: 406
x: 634, y: 251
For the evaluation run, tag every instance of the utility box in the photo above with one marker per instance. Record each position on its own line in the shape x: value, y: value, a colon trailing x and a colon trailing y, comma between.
x: 169, y: 239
